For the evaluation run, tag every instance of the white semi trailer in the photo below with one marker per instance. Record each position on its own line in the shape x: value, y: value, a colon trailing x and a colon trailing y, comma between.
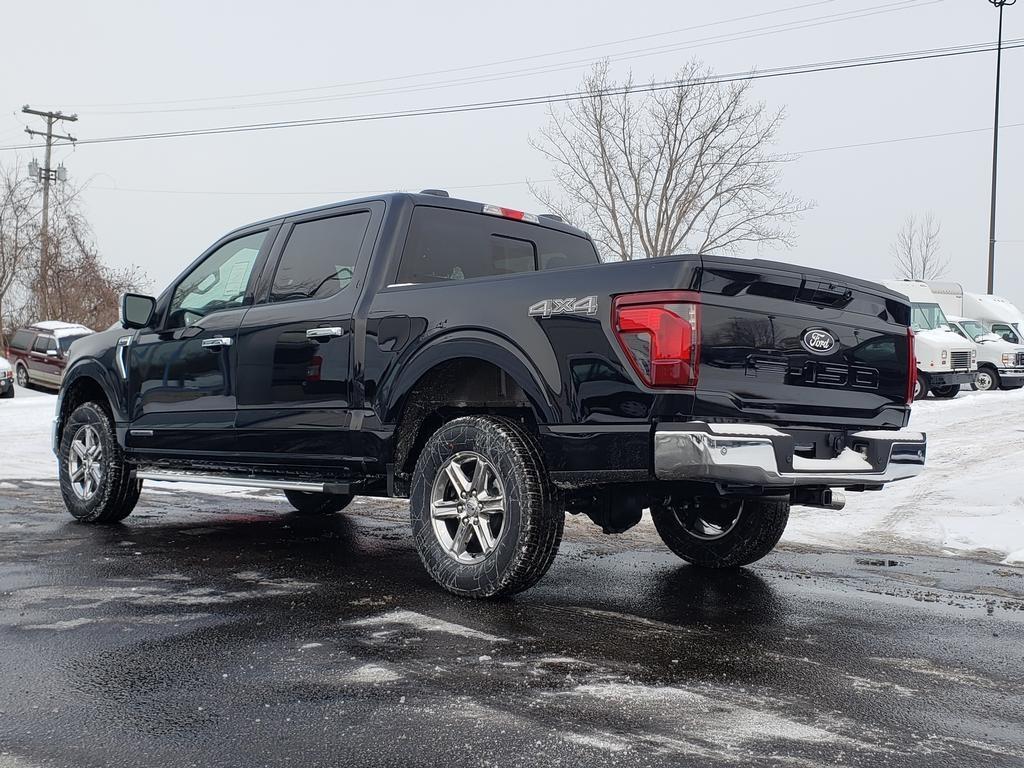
x: 945, y: 360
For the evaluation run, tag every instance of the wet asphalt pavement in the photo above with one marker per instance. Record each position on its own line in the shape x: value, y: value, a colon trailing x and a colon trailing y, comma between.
x: 227, y: 631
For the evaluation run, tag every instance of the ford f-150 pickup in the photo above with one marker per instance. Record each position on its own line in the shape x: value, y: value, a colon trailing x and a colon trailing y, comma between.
x: 485, y: 364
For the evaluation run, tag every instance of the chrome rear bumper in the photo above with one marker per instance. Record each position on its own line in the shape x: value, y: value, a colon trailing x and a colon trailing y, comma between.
x: 755, y: 454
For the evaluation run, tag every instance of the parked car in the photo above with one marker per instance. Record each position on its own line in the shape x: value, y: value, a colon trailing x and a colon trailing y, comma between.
x: 1000, y: 363
x: 945, y: 360
x: 997, y: 314
x: 485, y: 364
x: 6, y: 378
x: 39, y: 352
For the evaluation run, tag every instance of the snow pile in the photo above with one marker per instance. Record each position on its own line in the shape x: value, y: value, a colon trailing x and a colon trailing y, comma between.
x: 970, y: 499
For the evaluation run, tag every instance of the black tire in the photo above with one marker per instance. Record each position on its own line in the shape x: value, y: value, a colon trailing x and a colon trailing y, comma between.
x: 21, y: 375
x: 946, y: 392
x: 987, y: 380
x: 736, y: 531
x: 531, y: 517
x: 310, y: 503
x: 922, y: 387
x: 116, y: 489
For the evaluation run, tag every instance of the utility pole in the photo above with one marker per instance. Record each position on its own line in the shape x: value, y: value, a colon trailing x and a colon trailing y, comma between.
x: 47, y: 174
x: 995, y: 151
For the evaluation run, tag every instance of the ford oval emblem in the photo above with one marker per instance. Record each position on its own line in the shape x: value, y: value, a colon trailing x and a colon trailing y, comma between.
x: 818, y: 341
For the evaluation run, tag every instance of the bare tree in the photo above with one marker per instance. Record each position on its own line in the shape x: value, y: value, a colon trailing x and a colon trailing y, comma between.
x: 19, y: 233
x: 917, y: 250
x: 656, y: 172
x: 77, y: 285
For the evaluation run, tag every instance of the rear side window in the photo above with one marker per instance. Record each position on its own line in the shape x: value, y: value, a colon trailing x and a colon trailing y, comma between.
x: 445, y: 244
x: 320, y: 257
x: 22, y: 339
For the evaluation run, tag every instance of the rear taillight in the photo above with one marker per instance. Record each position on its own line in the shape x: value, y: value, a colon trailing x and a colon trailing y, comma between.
x: 911, y: 366
x: 659, y: 332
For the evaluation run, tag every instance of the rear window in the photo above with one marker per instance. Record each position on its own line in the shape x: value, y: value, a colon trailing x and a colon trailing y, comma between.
x: 445, y: 244
x: 22, y: 339
x: 320, y: 257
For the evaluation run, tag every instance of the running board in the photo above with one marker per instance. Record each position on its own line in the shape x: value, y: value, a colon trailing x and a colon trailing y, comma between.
x: 281, y: 484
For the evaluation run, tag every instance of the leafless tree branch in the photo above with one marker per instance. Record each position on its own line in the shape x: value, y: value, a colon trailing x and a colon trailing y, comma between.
x: 660, y: 172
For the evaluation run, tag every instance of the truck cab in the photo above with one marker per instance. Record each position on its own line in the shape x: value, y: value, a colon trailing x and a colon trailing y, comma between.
x: 1000, y: 363
x: 945, y: 359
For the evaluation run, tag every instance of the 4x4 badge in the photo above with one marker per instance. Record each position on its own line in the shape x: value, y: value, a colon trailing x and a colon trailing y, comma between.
x: 571, y: 306
x: 818, y: 341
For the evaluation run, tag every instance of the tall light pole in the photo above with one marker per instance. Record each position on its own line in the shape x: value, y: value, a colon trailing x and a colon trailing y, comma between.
x: 995, y: 150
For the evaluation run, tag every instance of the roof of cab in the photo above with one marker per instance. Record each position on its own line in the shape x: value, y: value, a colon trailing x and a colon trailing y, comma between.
x: 418, y: 198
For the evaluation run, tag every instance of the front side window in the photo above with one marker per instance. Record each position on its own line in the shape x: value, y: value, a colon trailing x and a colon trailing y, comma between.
x: 1006, y: 331
x: 41, y: 344
x: 445, y: 244
x: 320, y: 257
x: 219, y: 282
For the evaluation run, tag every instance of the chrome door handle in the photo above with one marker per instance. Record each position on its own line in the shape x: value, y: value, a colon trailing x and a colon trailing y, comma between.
x: 217, y: 342
x: 323, y: 333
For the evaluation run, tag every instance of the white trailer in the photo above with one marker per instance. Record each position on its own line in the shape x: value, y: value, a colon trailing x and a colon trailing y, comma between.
x: 945, y: 360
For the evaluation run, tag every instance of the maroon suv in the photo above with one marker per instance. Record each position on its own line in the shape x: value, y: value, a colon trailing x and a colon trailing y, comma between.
x: 39, y: 352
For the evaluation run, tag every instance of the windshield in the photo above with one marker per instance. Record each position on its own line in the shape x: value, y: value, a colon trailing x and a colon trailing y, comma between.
x: 65, y: 341
x: 974, y: 329
x: 927, y: 317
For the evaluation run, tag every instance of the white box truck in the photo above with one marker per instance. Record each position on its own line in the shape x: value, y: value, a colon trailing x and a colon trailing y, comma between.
x: 994, y: 324
x: 996, y: 313
x: 945, y: 360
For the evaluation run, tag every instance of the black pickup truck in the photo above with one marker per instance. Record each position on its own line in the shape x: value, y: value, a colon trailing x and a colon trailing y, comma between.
x: 484, y: 363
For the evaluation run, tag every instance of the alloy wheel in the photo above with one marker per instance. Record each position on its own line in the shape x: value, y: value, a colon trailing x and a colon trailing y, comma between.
x: 85, y: 462
x: 467, y: 507
x: 22, y: 377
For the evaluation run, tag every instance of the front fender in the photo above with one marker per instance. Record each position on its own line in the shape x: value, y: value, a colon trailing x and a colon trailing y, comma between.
x: 107, y: 380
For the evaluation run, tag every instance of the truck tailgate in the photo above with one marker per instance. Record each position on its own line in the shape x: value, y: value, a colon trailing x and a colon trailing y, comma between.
x: 784, y: 345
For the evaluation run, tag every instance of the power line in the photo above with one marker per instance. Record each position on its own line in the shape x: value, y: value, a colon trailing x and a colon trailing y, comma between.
x: 359, y: 192
x: 800, y: 69
x: 843, y: 16
x: 905, y: 138
x: 463, y: 68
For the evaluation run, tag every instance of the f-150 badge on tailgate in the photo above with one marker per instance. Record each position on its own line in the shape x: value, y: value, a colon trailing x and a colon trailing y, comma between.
x: 571, y: 306
x: 818, y: 341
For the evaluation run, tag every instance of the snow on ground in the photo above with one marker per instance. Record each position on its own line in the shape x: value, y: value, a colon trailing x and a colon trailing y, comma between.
x: 970, y: 499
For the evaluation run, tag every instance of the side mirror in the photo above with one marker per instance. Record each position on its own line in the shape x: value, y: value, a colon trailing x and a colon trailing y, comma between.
x: 137, y: 310
x: 52, y: 353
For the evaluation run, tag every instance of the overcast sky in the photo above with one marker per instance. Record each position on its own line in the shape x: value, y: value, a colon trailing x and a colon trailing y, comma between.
x: 131, y: 67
